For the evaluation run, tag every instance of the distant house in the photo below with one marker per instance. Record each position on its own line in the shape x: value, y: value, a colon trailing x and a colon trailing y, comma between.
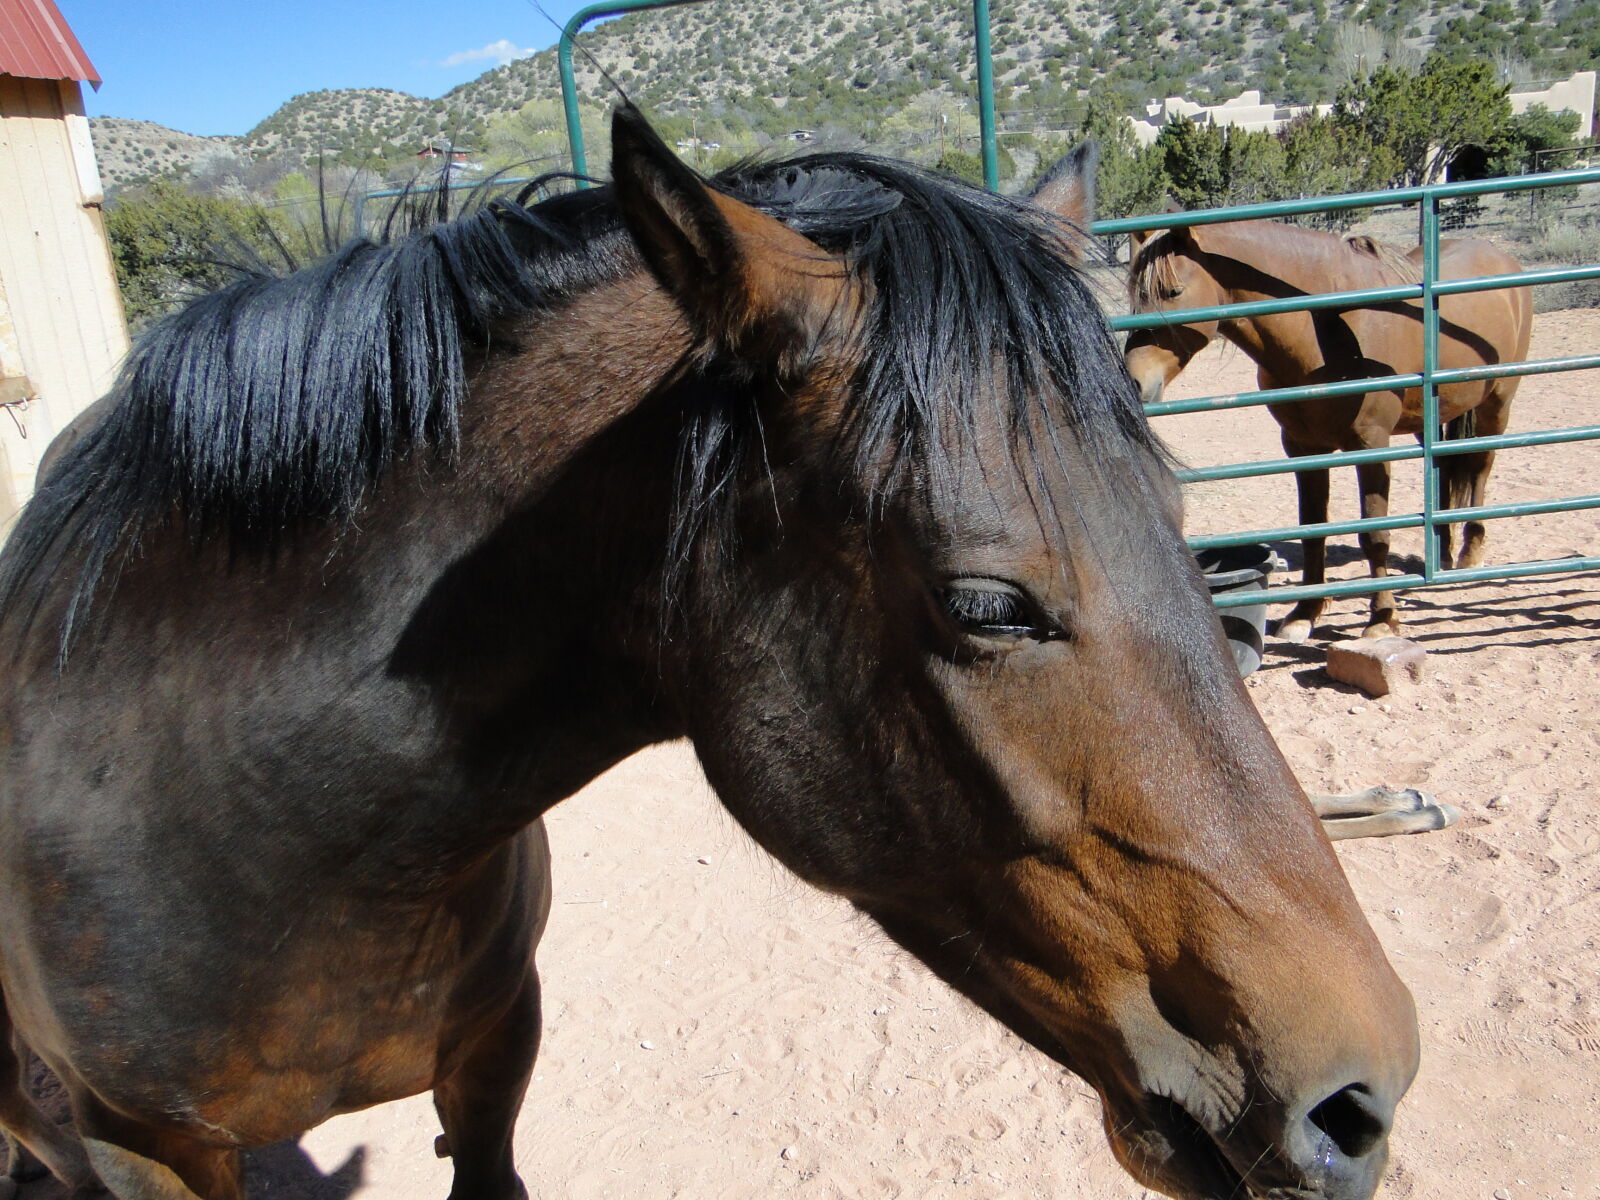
x: 440, y: 149
x: 451, y: 160
x: 62, y: 332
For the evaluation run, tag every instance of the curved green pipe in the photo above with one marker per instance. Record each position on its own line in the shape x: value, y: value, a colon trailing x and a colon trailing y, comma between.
x: 569, y: 83
x: 597, y: 12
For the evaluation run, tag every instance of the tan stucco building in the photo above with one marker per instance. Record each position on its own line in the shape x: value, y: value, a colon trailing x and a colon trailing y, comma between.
x: 1247, y: 112
x: 62, y: 332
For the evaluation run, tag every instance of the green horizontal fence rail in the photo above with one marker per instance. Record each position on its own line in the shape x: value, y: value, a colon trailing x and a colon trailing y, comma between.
x: 492, y: 182
x: 1428, y: 293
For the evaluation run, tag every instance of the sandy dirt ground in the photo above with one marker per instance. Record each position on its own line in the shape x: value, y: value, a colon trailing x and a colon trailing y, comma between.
x: 717, y: 1031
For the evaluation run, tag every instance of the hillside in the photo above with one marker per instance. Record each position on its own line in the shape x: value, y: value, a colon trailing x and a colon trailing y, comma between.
x: 129, y: 151
x: 781, y: 63
x: 768, y: 66
x: 356, y: 119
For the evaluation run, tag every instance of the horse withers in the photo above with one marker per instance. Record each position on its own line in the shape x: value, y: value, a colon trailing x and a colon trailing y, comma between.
x: 830, y: 465
x: 1235, y: 262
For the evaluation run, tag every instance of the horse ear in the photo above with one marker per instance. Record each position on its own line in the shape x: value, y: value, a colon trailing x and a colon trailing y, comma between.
x: 1140, y: 237
x: 746, y: 281
x: 1067, y: 188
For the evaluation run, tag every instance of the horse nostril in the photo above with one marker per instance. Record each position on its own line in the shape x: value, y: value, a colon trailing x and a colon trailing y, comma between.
x: 1353, y: 1120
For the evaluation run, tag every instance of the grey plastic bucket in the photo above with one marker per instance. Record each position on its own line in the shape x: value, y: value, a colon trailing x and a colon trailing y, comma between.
x: 1241, y: 569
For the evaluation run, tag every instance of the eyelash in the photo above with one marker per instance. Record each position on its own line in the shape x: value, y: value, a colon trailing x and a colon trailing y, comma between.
x: 975, y: 609
x: 997, y: 611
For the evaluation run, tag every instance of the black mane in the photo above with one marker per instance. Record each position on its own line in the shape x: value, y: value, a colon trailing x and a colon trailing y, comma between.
x: 281, y: 400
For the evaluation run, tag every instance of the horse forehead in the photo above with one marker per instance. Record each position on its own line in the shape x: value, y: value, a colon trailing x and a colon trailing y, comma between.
x: 969, y: 514
x: 1020, y: 500
x: 1162, y: 267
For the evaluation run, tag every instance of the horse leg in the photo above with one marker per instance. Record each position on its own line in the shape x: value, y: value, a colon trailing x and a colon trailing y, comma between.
x: 139, y: 1162
x: 1473, y: 533
x: 479, y: 1101
x: 29, y: 1134
x: 1374, y: 481
x: 1472, y: 470
x: 1381, y: 812
x: 1312, y: 488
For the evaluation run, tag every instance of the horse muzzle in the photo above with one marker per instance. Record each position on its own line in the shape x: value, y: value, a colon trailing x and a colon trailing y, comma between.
x: 1150, y: 389
x: 1334, y: 1148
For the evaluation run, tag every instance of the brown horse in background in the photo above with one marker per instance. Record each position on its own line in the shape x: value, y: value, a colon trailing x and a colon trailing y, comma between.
x: 829, y: 465
x: 1201, y: 266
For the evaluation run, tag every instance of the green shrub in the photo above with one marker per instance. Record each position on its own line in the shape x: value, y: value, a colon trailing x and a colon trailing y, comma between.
x: 170, y: 246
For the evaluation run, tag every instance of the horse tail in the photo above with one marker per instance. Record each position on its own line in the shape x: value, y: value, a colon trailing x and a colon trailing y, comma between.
x: 1456, y: 472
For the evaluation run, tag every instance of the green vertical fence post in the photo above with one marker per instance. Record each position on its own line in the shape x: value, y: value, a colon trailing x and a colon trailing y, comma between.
x: 986, y: 131
x: 1429, y: 216
x: 569, y: 99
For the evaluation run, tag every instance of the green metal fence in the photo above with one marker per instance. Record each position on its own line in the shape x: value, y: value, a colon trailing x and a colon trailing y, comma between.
x: 1429, y: 292
x: 412, y: 192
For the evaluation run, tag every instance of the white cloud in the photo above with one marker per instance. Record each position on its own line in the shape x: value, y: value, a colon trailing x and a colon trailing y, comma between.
x: 499, y: 53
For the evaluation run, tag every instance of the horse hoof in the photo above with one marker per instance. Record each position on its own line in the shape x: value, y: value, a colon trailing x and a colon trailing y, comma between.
x: 1382, y: 629
x: 441, y: 1146
x: 1296, y: 631
x: 1425, y: 813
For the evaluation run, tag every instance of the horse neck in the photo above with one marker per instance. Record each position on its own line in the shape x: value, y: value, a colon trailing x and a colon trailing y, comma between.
x: 1267, y: 260
x: 571, y: 378
x: 528, y: 624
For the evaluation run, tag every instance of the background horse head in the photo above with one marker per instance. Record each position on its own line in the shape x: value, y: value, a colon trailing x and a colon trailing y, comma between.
x: 830, y: 465
x: 1201, y: 266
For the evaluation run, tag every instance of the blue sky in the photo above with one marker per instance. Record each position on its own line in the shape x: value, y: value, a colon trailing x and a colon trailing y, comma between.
x: 221, y: 66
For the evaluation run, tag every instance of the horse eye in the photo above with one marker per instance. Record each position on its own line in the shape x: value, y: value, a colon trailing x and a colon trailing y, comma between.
x: 1173, y: 292
x: 993, y: 609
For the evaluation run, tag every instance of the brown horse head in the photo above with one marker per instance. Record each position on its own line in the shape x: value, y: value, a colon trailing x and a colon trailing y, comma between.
x: 1166, y: 272
x: 943, y: 651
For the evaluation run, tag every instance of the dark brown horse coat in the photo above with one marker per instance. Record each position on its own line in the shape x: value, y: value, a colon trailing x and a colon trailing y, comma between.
x: 362, y: 570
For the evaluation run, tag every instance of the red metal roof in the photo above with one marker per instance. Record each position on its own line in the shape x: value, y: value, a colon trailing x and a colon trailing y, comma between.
x: 36, y: 43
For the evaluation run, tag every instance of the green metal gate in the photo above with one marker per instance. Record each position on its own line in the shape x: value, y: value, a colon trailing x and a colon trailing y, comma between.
x: 1433, y: 447
x: 1428, y: 292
